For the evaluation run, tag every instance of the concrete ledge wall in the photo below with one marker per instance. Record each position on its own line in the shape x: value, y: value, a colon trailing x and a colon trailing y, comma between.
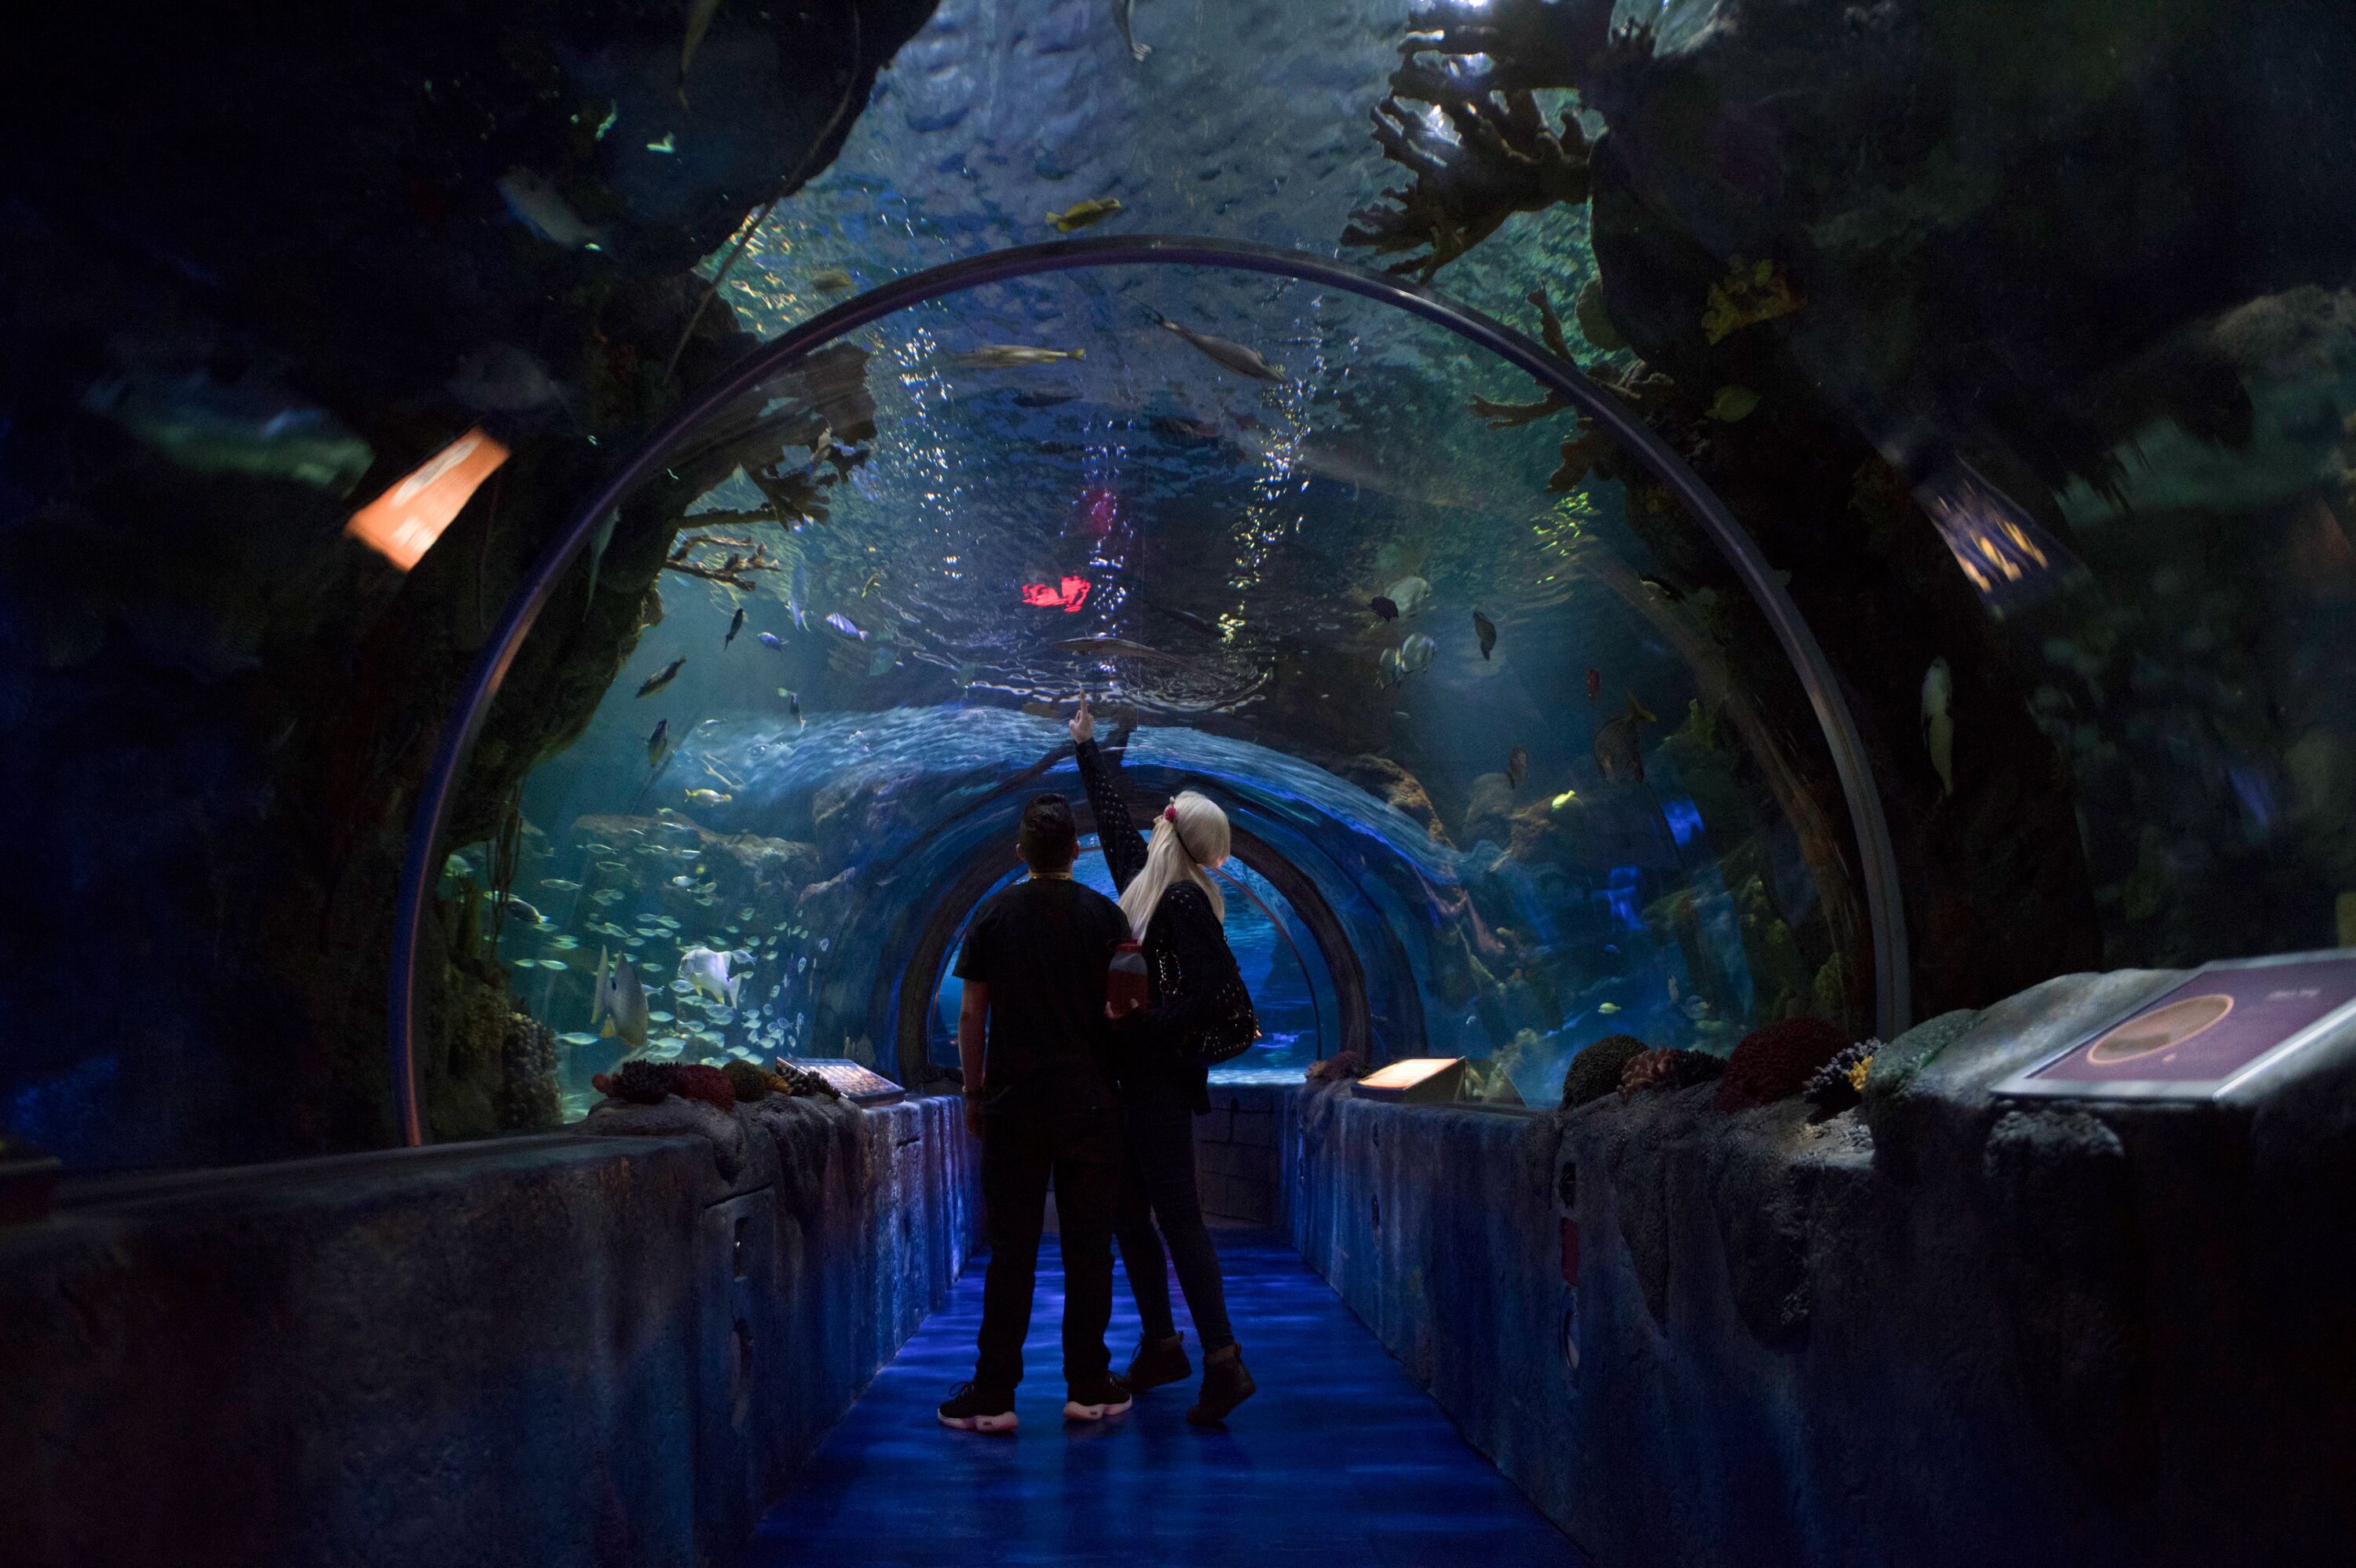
x: 568, y: 1350
x: 1943, y: 1330
x: 1235, y: 1153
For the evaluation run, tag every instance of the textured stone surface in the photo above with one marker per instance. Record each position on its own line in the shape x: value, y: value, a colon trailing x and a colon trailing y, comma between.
x: 1940, y: 1329
x: 562, y: 1351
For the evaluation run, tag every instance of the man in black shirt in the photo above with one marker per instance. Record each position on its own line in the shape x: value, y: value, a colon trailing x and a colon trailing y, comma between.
x: 1042, y: 1103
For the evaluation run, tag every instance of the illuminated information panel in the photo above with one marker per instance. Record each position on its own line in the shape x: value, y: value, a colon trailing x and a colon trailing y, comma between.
x: 860, y: 1085
x: 2224, y: 1027
x: 1417, y: 1081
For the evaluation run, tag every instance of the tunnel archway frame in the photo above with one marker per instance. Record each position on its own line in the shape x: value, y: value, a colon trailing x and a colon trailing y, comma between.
x: 1885, y: 908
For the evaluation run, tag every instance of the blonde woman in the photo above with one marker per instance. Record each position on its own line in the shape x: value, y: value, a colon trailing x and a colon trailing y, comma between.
x: 1197, y: 1011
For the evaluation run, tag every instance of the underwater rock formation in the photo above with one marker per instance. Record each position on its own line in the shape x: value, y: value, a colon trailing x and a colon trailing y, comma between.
x: 391, y: 208
x: 1668, y: 1070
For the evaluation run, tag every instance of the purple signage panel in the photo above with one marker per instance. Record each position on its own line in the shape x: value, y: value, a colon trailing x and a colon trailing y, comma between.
x: 2213, y: 1030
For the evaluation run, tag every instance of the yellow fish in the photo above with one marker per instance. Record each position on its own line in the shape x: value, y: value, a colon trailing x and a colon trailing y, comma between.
x: 1080, y: 214
x: 1608, y: 1009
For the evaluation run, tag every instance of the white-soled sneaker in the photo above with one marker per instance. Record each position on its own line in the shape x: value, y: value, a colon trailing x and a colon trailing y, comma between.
x: 971, y: 1410
x: 1093, y: 1399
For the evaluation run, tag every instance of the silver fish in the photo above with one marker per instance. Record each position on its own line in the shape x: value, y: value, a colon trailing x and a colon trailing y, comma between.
x: 846, y: 625
x: 1415, y: 654
x: 621, y: 1001
x: 1225, y: 354
x: 1015, y: 357
x: 542, y: 208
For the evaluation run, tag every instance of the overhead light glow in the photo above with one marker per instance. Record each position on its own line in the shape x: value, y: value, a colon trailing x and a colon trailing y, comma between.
x: 1067, y: 595
x: 402, y: 524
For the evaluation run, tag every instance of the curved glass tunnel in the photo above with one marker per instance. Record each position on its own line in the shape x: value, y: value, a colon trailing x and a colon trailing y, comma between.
x: 1514, y: 789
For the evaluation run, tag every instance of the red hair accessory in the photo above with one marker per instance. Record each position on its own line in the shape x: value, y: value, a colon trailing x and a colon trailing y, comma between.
x: 1170, y: 814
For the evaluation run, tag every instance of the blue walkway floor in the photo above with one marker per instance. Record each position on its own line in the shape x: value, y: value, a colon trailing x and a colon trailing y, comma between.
x: 1339, y: 1460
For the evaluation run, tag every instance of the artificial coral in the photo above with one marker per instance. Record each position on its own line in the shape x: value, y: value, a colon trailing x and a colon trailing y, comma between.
x: 1668, y: 1070
x: 1338, y: 1068
x: 640, y: 1083
x: 1841, y: 1082
x: 1775, y: 1063
x: 709, y: 1084
x: 1595, y: 1071
x: 749, y: 1081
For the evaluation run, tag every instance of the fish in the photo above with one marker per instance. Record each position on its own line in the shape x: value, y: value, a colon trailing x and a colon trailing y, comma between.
x: 769, y: 639
x: 665, y: 146
x: 1565, y: 798
x: 735, y: 625
x: 621, y: 1001
x: 1409, y: 593
x: 1487, y: 630
x: 1594, y: 683
x: 577, y: 1037
x: 1046, y: 399
x: 705, y: 970
x: 1388, y: 672
x: 1619, y: 745
x: 564, y: 944
x: 598, y: 848
x: 793, y: 705
x: 1384, y: 609
x: 1608, y: 1009
x: 1118, y: 647
x: 1939, y: 723
x: 1673, y: 988
x: 699, y: 22
x: 519, y: 910
x: 657, y: 682
x: 540, y: 208
x: 834, y: 281
x: 560, y: 884
x: 797, y: 597
x: 1080, y: 214
x: 1120, y: 19
x: 845, y: 624
x: 1415, y: 654
x: 1694, y: 1008
x: 1661, y: 586
x: 1517, y: 766
x: 1225, y: 353
x: 874, y: 580
x: 655, y: 742
x: 235, y: 427
x: 709, y: 798
x: 1732, y: 403
x: 501, y: 378
x: 1015, y: 357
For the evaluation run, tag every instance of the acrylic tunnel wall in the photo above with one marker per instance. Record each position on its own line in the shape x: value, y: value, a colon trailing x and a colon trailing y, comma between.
x: 1525, y: 759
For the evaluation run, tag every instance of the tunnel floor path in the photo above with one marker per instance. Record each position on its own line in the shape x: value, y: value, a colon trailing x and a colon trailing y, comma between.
x: 1339, y: 1460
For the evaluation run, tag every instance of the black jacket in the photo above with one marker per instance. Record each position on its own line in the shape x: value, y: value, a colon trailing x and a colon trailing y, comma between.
x: 1191, y: 975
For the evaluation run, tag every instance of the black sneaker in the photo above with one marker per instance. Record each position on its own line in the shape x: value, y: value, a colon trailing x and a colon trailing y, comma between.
x: 1226, y: 1384
x: 1093, y: 1399
x: 1158, y: 1361
x: 969, y: 1409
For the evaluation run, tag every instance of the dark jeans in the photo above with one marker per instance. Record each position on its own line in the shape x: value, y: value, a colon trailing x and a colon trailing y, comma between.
x: 1160, y: 1185
x: 1018, y: 1154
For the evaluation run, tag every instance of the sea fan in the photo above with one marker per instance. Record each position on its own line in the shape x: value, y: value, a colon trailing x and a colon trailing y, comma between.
x: 1668, y: 1070
x: 1841, y: 1082
x: 1776, y: 1062
x: 1595, y: 1071
x: 708, y: 1084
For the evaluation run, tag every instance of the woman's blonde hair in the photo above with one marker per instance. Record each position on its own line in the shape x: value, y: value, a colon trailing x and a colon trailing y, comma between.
x: 1189, y: 836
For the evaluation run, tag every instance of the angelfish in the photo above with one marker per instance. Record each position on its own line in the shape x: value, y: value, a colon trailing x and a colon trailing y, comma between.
x: 1227, y: 354
x: 1939, y: 723
x: 621, y: 1001
x: 705, y: 970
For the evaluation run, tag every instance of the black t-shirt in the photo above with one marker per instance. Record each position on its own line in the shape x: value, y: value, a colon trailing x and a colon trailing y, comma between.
x: 1042, y: 947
